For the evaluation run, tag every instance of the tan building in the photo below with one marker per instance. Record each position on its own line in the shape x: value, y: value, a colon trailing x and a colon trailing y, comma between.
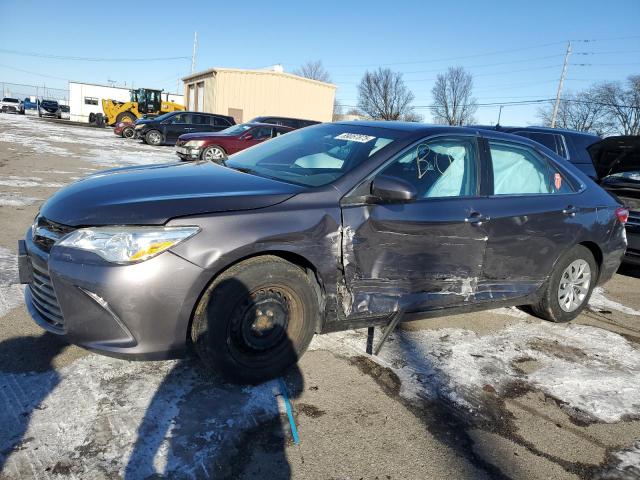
x: 245, y: 94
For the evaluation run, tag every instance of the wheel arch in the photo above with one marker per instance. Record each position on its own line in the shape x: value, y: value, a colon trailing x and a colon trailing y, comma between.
x: 596, y: 251
x: 292, y: 257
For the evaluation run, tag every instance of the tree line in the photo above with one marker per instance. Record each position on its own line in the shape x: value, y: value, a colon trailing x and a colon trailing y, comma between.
x: 605, y: 108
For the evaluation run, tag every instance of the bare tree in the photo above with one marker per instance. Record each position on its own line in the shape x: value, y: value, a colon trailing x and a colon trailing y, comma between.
x: 412, y: 117
x: 453, y: 103
x: 622, y: 102
x: 583, y: 111
x: 382, y: 95
x: 314, y: 71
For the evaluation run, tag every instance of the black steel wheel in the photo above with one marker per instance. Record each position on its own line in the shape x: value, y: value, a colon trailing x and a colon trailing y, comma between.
x: 256, y: 319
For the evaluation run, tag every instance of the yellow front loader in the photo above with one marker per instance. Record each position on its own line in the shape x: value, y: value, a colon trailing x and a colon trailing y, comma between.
x: 144, y: 101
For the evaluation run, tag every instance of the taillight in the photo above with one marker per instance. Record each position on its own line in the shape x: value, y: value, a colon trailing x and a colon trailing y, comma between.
x: 622, y: 214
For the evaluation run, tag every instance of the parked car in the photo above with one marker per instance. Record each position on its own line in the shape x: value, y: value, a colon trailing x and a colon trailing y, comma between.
x: 10, y: 104
x: 217, y: 146
x: 165, y: 129
x: 569, y: 144
x: 294, y: 123
x: 49, y: 108
x: 65, y: 112
x: 330, y: 227
x: 29, y: 105
x: 617, y: 163
x: 124, y: 129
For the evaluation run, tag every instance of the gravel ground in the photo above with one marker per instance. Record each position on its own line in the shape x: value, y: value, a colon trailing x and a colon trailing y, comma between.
x: 497, y: 394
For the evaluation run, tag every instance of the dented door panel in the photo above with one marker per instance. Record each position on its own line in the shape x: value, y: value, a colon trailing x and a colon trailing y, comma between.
x: 417, y: 256
x: 527, y: 234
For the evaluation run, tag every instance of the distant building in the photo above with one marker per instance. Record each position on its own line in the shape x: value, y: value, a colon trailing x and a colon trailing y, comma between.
x: 86, y: 98
x: 245, y: 94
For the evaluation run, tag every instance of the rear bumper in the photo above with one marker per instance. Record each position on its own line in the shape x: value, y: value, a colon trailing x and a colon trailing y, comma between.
x: 139, y: 311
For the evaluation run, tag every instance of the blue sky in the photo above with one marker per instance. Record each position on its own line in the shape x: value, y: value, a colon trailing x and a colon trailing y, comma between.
x: 514, y: 49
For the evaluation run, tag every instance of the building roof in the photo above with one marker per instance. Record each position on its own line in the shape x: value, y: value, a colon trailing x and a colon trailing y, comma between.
x: 215, y: 70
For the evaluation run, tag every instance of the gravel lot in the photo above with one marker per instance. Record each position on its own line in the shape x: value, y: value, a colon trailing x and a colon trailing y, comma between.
x: 498, y: 394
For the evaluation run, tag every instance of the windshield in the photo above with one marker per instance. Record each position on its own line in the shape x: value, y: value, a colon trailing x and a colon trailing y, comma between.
x: 314, y: 156
x: 236, y: 129
x: 10, y: 100
x: 160, y: 118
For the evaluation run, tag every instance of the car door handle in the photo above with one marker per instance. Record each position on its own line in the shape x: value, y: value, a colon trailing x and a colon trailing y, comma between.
x: 476, y: 219
x: 570, y: 210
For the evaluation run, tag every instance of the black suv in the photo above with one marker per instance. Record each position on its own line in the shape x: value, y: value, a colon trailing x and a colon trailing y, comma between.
x: 49, y: 108
x: 569, y: 144
x: 165, y: 129
x: 285, y: 121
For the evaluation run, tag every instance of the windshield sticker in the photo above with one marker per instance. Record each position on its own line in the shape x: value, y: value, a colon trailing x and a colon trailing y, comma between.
x: 355, y: 137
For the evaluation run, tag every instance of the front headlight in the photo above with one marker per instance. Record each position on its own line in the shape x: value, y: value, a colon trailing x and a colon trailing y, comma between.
x: 194, y: 143
x: 139, y: 127
x: 127, y: 244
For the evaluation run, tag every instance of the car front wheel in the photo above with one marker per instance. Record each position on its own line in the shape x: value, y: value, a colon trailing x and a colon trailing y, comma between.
x: 128, y: 132
x: 256, y: 319
x: 214, y: 154
x: 153, y: 137
x: 568, y: 290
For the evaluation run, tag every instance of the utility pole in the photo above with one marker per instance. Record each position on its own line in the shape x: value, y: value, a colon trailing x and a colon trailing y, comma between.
x: 564, y: 74
x: 500, y: 114
x: 195, y: 52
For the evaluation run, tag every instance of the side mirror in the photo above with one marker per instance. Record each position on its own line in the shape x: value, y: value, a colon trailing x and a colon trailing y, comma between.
x: 248, y: 136
x: 393, y: 189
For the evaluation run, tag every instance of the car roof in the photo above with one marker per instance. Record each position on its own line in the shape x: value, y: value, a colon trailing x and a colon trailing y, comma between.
x: 411, y: 127
x: 534, y: 128
x: 263, y: 124
x: 286, y: 118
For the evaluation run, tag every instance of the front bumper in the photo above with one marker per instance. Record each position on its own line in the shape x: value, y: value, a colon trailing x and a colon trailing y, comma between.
x: 188, y: 153
x: 9, y: 108
x: 134, y: 311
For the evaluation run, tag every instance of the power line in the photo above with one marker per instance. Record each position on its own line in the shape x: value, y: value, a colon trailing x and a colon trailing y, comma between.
x: 88, y: 59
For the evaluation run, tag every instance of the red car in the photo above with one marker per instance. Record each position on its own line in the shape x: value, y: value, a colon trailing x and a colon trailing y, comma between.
x: 124, y: 129
x: 216, y: 146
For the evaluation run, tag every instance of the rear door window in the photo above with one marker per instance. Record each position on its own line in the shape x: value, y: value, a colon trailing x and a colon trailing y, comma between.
x: 520, y: 170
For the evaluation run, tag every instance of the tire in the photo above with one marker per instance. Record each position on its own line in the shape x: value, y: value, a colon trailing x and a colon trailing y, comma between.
x: 126, y: 117
x: 568, y: 290
x: 255, y: 320
x: 92, y: 117
x: 128, y: 132
x: 214, y: 154
x: 153, y: 137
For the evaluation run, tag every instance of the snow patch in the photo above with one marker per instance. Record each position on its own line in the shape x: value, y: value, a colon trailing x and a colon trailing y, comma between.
x: 11, y: 294
x: 113, y: 418
x: 598, y: 301
x: 24, y: 182
x: 592, y: 371
x: 629, y: 460
x: 16, y: 200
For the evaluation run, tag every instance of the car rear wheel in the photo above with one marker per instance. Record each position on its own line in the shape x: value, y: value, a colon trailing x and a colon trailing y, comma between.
x: 128, y: 132
x: 153, y: 137
x: 214, y: 154
x: 255, y: 320
x: 568, y: 290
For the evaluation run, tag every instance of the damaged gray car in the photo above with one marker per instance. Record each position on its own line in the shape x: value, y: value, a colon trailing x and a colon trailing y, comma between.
x: 332, y: 227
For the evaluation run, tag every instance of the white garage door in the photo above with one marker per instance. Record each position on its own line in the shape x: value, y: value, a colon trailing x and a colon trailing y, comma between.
x: 200, y: 102
x: 192, y: 98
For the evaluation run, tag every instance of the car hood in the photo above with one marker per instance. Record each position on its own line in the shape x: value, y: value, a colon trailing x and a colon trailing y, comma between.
x: 616, y: 155
x: 203, y: 135
x: 151, y: 195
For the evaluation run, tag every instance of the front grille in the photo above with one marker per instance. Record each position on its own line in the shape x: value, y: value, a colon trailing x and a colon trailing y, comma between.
x: 46, y: 233
x: 634, y: 219
x: 44, y: 298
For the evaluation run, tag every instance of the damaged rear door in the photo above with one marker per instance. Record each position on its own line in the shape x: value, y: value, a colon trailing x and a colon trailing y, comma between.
x: 420, y: 254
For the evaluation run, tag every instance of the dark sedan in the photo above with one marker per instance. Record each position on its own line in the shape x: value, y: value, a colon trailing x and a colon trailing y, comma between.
x: 49, y: 108
x: 215, y: 147
x: 165, y: 129
x: 331, y: 227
